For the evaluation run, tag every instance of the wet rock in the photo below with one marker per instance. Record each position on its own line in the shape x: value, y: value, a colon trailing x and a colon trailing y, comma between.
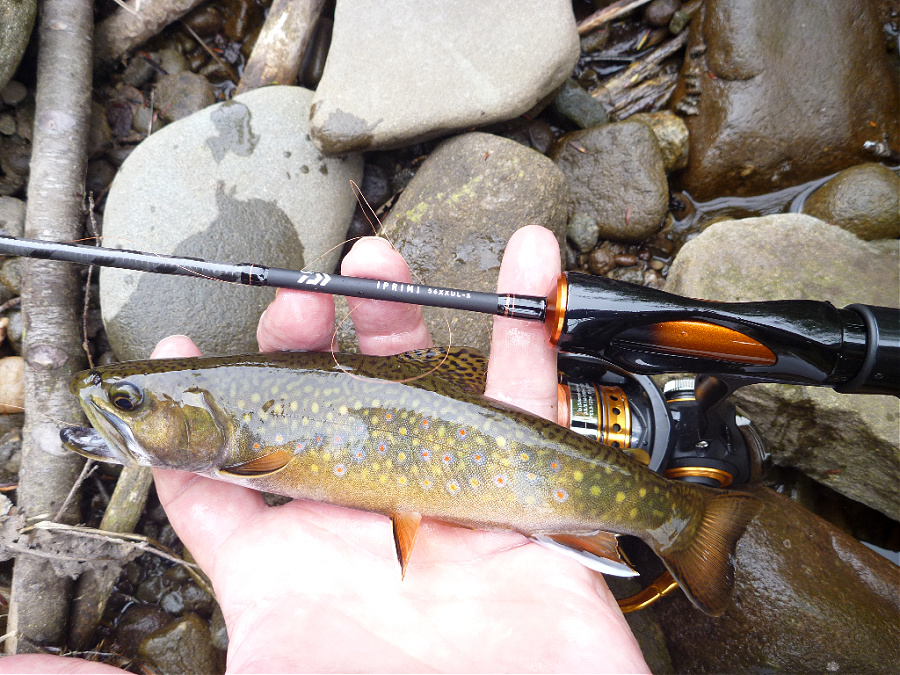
x: 808, y: 598
x: 12, y: 216
x: 671, y: 134
x: 239, y: 181
x: 136, y: 623
x: 415, y: 73
x: 100, y: 133
x: 179, y: 96
x: 16, y: 22
x: 583, y: 231
x: 864, y: 200
x: 616, y: 175
x: 14, y: 330
x: 579, y: 107
x: 785, y: 92
x: 847, y: 442
x: 12, y: 384
x: 184, y: 646
x: 454, y: 218
x: 100, y: 174
x: 15, y: 156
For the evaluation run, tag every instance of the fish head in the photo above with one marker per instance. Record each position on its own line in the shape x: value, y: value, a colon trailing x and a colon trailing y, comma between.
x: 163, y: 419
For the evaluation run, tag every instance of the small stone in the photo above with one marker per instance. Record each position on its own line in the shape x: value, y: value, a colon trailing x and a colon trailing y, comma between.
x: 601, y: 261
x: 204, y: 21
x: 672, y: 135
x: 12, y: 384
x: 13, y: 93
x: 863, y: 199
x: 660, y: 12
x: 680, y: 21
x: 172, y: 61
x: 138, y: 72
x: 653, y: 279
x: 184, y: 646
x: 573, y: 103
x: 179, y: 96
x: 100, y: 133
x: 656, y: 265
x: 11, y: 275
x: 136, y: 623
x: 626, y: 260
x: 218, y: 630
x: 15, y: 330
x: 7, y: 124
x: 595, y: 40
x: 583, y: 231
x: 12, y: 217
x: 632, y: 275
x: 143, y: 122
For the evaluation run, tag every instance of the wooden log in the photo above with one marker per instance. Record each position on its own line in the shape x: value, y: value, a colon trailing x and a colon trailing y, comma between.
x: 282, y: 42
x: 51, y: 304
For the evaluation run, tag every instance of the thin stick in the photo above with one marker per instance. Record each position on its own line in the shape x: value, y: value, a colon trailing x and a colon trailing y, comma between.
x: 608, y: 13
x: 85, y: 472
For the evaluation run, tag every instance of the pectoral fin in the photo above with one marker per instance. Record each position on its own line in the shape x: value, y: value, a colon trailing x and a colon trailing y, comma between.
x: 406, y: 527
x: 260, y: 466
x: 599, y: 551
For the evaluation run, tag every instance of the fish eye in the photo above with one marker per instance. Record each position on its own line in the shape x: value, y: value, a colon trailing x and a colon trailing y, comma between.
x: 126, y: 395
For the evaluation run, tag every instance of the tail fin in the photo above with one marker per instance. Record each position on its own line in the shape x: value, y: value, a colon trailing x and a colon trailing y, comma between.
x: 704, y: 567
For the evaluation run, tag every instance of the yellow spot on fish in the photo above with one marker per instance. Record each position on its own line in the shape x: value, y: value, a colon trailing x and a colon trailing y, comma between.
x: 343, y: 410
x: 279, y: 439
x: 382, y: 478
x: 246, y: 417
x: 524, y: 456
x: 242, y: 404
x: 403, y: 431
x: 658, y: 514
x: 656, y: 490
x: 357, y: 405
x: 529, y: 500
x: 314, y: 407
x: 632, y: 514
x: 293, y: 406
x: 327, y: 455
x: 501, y: 442
x: 595, y: 490
x: 263, y: 416
x: 376, y: 403
x: 620, y: 496
x: 401, y: 480
x: 305, y: 420
x: 577, y: 476
x: 375, y: 466
x: 329, y: 416
x: 642, y: 492
x: 314, y: 468
x: 473, y: 482
x: 254, y: 398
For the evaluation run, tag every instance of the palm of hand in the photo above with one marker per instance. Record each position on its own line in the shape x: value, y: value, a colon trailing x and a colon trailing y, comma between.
x: 314, y: 587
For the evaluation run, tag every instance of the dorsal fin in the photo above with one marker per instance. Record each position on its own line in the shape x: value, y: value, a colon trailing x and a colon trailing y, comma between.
x: 462, y: 366
x: 260, y: 466
x: 599, y: 551
x: 406, y: 527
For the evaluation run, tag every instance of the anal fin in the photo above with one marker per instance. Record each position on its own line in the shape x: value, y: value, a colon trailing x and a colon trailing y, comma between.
x: 598, y: 550
x: 259, y: 466
x: 406, y: 527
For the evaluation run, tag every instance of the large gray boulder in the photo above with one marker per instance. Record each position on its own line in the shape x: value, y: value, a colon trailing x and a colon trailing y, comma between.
x: 239, y: 182
x: 407, y: 72
x: 850, y: 443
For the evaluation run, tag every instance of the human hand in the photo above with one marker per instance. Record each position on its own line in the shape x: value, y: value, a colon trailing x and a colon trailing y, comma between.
x: 314, y: 587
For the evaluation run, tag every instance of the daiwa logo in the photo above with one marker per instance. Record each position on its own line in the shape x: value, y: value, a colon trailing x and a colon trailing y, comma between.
x: 318, y: 279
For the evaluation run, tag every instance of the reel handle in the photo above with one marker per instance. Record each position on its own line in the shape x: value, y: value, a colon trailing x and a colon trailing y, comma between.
x: 854, y: 350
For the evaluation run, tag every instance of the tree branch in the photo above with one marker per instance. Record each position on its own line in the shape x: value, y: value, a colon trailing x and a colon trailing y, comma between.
x: 50, y: 304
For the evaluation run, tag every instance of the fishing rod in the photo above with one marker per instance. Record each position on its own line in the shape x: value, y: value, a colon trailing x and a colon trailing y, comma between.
x: 855, y: 349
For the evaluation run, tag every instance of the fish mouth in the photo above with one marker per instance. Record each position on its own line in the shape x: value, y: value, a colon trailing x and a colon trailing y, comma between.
x: 110, y: 439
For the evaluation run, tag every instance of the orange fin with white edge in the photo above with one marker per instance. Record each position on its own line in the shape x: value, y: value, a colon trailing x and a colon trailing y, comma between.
x: 597, y: 550
x: 260, y: 466
x: 406, y: 527
x: 704, y: 565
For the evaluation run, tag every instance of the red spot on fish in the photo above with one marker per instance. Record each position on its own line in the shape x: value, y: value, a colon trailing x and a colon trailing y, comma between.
x: 500, y: 481
x: 560, y: 495
x: 425, y: 423
x: 462, y: 433
x: 256, y: 446
x: 388, y: 416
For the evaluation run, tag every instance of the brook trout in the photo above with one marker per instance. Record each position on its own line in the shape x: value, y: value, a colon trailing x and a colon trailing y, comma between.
x: 407, y: 436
